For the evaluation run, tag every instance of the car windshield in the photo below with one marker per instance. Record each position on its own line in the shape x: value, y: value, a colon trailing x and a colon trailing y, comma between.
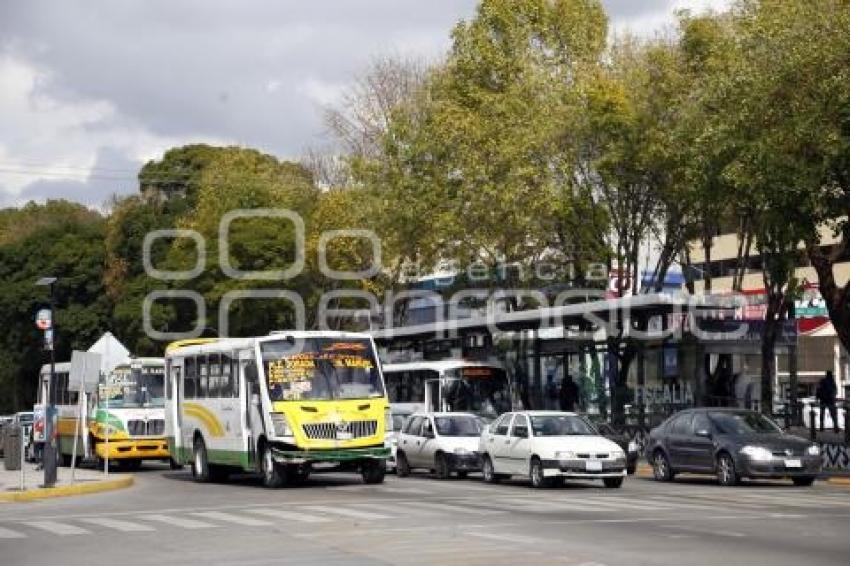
x: 743, y: 423
x: 128, y: 388
x: 457, y: 426
x: 561, y: 425
x: 481, y: 390
x: 321, y: 369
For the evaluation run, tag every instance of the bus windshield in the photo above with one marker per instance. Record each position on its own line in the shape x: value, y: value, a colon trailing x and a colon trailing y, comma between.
x: 321, y: 369
x: 128, y: 389
x: 481, y: 390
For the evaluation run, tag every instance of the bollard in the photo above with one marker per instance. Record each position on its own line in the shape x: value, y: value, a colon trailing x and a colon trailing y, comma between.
x: 846, y: 422
x: 23, y: 459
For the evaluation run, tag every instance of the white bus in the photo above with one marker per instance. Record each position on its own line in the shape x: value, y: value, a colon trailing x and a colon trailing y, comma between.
x: 123, y: 420
x: 449, y: 386
x: 279, y: 405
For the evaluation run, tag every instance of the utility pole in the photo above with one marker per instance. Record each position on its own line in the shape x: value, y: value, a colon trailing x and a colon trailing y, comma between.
x: 49, y: 454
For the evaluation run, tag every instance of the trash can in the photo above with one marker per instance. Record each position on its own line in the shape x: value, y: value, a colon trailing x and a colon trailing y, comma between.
x: 12, y: 449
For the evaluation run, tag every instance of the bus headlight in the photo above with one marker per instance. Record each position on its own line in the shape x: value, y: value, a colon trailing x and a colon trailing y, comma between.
x: 281, y: 425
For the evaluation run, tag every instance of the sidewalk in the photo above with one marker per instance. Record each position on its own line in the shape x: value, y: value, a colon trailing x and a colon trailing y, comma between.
x: 86, y: 480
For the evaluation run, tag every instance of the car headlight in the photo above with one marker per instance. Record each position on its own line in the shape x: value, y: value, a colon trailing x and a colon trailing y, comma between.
x: 281, y: 425
x: 569, y: 455
x: 813, y: 450
x: 633, y: 446
x: 758, y: 453
x: 618, y: 454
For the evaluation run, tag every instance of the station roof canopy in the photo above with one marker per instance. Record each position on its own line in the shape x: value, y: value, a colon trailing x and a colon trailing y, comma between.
x: 570, y: 315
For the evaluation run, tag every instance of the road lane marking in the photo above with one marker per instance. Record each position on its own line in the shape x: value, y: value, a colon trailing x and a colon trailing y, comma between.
x: 231, y: 518
x: 504, y: 537
x: 290, y: 515
x: 118, y: 525
x: 6, y: 533
x: 57, y: 528
x: 449, y: 508
x: 704, y: 531
x: 353, y: 513
x: 182, y: 522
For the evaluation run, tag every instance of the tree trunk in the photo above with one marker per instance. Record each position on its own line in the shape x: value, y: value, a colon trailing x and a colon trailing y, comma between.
x: 837, y: 298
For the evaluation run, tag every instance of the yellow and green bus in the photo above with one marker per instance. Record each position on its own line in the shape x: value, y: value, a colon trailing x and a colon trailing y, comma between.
x: 280, y: 405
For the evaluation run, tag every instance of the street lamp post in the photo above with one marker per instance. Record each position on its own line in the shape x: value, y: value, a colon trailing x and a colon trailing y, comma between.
x: 49, y: 452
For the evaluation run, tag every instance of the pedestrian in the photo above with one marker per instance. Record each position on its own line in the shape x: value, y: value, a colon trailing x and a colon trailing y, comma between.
x: 826, y: 393
x: 569, y: 394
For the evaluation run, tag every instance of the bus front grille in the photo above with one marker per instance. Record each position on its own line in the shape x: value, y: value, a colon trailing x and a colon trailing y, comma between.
x: 155, y: 427
x: 334, y: 431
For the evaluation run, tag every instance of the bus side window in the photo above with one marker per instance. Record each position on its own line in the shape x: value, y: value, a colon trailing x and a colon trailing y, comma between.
x: 189, y: 379
x: 214, y: 380
x: 227, y: 377
x: 203, y: 377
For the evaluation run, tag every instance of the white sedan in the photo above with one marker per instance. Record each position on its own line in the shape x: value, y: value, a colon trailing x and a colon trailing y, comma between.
x: 547, y: 447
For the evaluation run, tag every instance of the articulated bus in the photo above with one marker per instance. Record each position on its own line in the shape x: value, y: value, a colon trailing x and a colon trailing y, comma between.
x: 281, y: 405
x: 128, y: 407
x: 449, y: 385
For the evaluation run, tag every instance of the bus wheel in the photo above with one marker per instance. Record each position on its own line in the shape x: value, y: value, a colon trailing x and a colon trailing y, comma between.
x: 272, y: 473
x: 200, y: 464
x: 373, y: 471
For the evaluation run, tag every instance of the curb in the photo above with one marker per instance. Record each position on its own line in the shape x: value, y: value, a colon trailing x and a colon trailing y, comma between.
x: 645, y: 471
x: 68, y: 490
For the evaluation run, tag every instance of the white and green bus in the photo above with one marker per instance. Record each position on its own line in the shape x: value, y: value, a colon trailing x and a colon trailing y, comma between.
x: 123, y: 420
x: 281, y: 405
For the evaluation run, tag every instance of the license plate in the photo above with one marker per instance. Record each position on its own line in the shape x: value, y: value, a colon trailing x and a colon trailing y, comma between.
x: 793, y: 464
x: 344, y: 435
x: 593, y: 466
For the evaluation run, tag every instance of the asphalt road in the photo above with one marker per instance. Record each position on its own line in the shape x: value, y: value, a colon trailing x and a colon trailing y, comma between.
x: 334, y: 519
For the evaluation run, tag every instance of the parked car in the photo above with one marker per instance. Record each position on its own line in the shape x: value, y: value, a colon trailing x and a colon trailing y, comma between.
x: 443, y: 442
x: 628, y: 445
x: 547, y: 447
x: 398, y: 416
x: 732, y: 444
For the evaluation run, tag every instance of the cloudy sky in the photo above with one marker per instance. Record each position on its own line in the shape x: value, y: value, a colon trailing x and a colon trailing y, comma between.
x: 91, y: 89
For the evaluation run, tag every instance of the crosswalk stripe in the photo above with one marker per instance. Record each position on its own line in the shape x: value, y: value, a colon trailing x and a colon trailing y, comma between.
x: 642, y: 504
x: 404, y: 490
x: 182, y: 522
x: 346, y: 512
x: 504, y: 537
x: 118, y: 525
x: 290, y: 515
x: 450, y: 508
x: 231, y: 518
x: 6, y: 533
x: 57, y: 528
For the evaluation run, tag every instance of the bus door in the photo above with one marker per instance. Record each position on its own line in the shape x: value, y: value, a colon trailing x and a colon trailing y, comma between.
x: 251, y: 403
x: 230, y: 407
x: 174, y: 399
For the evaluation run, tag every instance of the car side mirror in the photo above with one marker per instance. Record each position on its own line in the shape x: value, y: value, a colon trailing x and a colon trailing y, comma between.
x: 703, y: 433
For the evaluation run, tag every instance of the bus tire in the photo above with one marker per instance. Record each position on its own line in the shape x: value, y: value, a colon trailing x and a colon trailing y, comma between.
x: 273, y: 473
x: 200, y: 463
x: 373, y: 471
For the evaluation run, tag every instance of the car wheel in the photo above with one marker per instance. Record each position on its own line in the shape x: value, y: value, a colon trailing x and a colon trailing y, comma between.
x: 273, y: 473
x: 488, y: 471
x: 726, y: 472
x: 803, y: 481
x: 535, y: 474
x: 200, y: 464
x: 373, y: 471
x: 441, y: 466
x: 402, y: 466
x: 613, y: 483
x: 661, y: 467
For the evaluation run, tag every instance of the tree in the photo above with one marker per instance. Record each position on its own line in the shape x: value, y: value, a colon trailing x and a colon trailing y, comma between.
x: 60, y: 239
